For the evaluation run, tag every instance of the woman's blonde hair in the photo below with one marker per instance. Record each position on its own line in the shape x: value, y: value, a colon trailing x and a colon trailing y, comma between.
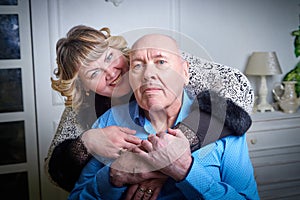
x: 81, y: 46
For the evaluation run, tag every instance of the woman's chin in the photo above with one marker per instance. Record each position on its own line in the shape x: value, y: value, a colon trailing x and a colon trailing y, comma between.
x: 121, y: 91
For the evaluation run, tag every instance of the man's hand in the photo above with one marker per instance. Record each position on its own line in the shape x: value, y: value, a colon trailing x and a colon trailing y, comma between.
x: 169, y: 153
x: 145, y: 190
x: 130, y: 169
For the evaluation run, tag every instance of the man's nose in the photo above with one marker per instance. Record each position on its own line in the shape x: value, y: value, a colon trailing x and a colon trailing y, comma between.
x: 149, y: 71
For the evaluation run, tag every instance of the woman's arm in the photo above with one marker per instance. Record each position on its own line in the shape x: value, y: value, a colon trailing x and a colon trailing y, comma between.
x: 73, y: 146
x: 224, y: 99
x: 66, y: 155
x: 226, y: 81
x: 213, y: 117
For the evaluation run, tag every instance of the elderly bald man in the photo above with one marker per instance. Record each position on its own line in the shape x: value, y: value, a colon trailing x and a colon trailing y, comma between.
x: 221, y: 170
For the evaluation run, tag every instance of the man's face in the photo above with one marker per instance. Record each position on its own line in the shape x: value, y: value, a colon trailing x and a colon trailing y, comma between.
x: 157, y: 75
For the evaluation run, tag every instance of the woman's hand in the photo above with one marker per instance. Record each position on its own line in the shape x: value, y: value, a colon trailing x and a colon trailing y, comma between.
x: 145, y: 190
x: 110, y: 141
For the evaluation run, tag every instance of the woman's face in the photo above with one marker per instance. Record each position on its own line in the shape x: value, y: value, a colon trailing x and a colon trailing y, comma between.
x: 108, y: 75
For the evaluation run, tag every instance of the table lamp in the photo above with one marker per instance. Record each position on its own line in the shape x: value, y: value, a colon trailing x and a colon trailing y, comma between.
x: 263, y: 64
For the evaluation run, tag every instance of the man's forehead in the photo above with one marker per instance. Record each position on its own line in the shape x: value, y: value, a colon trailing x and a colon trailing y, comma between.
x: 156, y: 41
x: 154, y: 52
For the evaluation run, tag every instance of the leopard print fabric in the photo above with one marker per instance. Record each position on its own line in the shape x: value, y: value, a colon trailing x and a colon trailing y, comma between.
x: 226, y: 81
x: 68, y: 128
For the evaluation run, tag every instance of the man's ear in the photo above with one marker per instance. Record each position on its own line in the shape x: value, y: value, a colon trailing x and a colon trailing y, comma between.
x: 186, y: 73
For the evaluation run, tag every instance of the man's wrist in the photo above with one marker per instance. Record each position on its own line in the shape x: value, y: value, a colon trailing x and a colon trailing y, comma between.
x: 181, y: 171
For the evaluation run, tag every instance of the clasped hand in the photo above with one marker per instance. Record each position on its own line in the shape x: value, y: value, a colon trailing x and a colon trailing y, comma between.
x: 162, y: 155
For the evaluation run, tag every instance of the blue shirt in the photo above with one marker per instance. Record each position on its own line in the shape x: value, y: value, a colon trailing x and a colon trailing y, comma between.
x: 221, y: 170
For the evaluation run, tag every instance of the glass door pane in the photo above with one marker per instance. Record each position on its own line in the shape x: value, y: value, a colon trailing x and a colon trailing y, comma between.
x: 19, y: 169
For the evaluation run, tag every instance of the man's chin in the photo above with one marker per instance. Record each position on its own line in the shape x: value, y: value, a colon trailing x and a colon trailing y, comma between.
x: 156, y: 107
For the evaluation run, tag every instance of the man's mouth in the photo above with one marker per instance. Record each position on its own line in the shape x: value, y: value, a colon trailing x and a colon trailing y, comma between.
x: 117, y: 80
x: 151, y: 90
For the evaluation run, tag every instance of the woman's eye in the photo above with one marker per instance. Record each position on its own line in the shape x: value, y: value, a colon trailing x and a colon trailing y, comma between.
x: 94, y: 74
x: 109, y: 57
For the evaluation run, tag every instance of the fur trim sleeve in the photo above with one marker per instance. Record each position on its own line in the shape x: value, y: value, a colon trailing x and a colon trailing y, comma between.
x: 213, y: 117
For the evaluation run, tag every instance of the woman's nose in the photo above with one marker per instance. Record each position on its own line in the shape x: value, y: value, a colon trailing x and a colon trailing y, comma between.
x: 110, y: 73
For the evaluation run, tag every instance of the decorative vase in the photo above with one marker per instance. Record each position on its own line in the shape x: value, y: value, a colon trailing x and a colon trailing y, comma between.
x: 294, y: 75
x: 288, y: 102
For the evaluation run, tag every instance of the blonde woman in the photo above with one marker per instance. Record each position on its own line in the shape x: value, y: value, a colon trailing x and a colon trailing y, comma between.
x: 92, y: 67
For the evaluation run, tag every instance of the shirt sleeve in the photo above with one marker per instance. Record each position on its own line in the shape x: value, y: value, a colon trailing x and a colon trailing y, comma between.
x: 222, y: 171
x: 94, y: 183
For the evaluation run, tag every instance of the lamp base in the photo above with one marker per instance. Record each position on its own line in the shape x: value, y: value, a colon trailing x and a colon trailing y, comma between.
x: 265, y: 108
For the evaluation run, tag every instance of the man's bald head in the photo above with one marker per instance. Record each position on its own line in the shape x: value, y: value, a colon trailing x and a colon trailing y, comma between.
x: 157, y: 41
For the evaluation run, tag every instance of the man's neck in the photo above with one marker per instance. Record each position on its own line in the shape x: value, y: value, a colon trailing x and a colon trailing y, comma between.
x: 164, y: 118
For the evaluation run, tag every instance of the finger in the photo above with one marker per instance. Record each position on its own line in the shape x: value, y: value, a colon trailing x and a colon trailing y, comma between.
x: 153, y: 175
x: 127, y: 130
x: 155, y: 194
x: 131, y: 191
x: 114, y: 177
x: 153, y: 138
x: 132, y: 139
x: 139, y: 193
x: 148, y: 194
x: 160, y: 134
x: 177, y: 132
x: 147, y: 146
x: 172, y: 131
x: 136, y: 150
x: 122, y: 151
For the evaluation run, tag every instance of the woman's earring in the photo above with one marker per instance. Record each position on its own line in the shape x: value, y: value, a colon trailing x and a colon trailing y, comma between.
x: 87, y: 93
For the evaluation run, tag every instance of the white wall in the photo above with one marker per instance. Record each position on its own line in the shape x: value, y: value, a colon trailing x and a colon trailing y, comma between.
x: 230, y: 30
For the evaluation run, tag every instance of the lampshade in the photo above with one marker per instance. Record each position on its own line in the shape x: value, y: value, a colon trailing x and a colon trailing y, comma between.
x: 263, y: 63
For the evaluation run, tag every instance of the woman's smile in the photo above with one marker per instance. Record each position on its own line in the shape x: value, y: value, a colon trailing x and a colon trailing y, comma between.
x: 116, y: 81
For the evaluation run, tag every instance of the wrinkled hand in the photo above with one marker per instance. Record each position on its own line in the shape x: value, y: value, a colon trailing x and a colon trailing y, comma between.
x: 130, y: 169
x: 148, y: 189
x: 108, y: 142
x: 169, y: 153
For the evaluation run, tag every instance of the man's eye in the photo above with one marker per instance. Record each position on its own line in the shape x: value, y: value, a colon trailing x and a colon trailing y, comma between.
x: 137, y: 66
x: 161, y: 62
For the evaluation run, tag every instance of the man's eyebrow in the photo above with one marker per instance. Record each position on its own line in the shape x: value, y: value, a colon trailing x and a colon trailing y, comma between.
x: 163, y: 54
x: 137, y: 58
x: 160, y: 55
